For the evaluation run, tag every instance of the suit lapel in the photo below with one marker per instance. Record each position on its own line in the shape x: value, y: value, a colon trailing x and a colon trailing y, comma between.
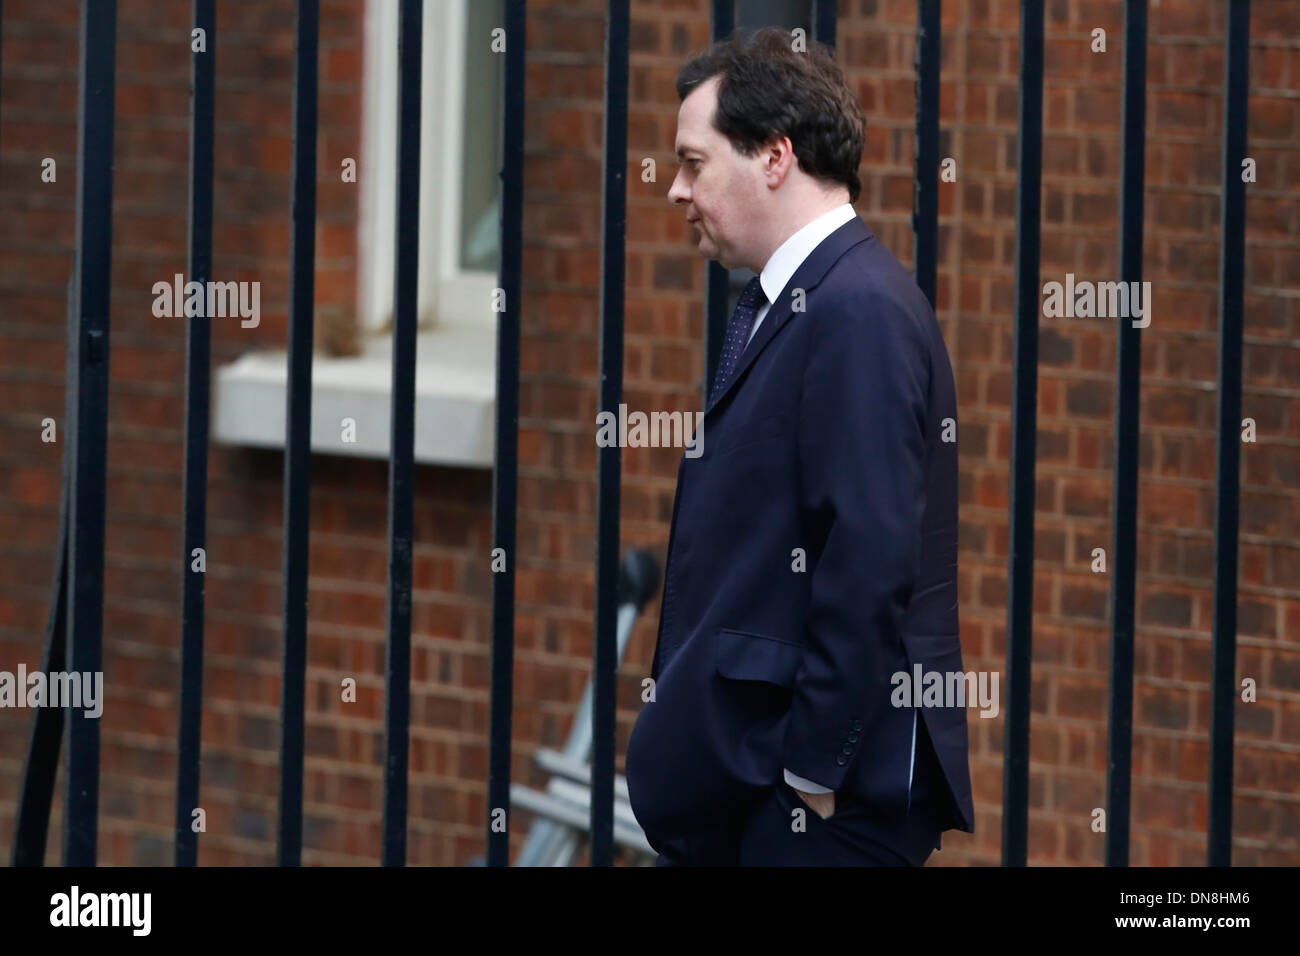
x: 809, y: 274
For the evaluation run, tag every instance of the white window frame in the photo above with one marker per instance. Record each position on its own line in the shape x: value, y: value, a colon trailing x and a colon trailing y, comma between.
x: 447, y: 293
x: 455, y: 380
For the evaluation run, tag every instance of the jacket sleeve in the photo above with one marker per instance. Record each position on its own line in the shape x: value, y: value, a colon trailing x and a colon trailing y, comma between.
x: 862, y: 464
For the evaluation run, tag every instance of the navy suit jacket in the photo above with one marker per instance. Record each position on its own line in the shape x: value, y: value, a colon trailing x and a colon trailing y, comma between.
x: 826, y: 444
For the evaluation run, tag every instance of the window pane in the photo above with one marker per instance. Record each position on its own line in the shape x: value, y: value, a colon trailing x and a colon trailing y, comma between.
x: 752, y: 14
x: 481, y: 144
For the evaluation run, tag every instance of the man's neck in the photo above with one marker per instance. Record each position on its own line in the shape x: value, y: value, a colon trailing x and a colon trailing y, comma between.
x: 799, y: 215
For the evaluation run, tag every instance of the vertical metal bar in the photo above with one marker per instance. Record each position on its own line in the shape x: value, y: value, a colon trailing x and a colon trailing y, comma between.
x: 722, y: 18
x: 2, y: 20
x: 925, y: 208
x: 1223, y: 689
x: 87, y: 428
x: 1020, y: 589
x: 195, y: 479
x: 1128, y: 380
x: 716, y: 277
x: 31, y: 828
x: 401, y: 462
x: 297, y: 440
x: 823, y: 22
x: 613, y: 232
x: 32, y: 820
x: 505, y: 476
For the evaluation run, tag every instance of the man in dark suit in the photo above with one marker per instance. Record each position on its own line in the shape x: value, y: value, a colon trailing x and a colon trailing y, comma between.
x: 813, y: 550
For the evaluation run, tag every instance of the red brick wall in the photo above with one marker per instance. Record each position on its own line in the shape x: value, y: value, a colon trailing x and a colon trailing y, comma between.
x: 664, y: 323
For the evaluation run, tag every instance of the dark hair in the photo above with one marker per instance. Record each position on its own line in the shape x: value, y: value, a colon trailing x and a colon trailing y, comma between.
x: 767, y: 90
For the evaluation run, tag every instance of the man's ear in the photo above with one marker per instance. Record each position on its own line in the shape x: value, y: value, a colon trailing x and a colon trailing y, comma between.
x: 778, y: 159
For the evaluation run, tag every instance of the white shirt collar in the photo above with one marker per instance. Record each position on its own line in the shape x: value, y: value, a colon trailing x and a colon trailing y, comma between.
x: 790, y: 255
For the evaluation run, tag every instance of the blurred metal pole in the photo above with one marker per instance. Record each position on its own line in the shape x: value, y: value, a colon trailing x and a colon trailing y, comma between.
x: 1232, y: 217
x: 1128, y: 382
x: 613, y: 230
x: 401, y: 460
x: 1024, y: 423
x: 297, y: 439
x: 87, y: 425
x: 925, y: 207
x: 505, y: 475
x: 194, y: 488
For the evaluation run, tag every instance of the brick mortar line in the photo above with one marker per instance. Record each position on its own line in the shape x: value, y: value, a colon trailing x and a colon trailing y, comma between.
x: 995, y: 417
x: 1052, y: 469
x: 158, y: 608
x: 985, y: 614
x: 1099, y: 631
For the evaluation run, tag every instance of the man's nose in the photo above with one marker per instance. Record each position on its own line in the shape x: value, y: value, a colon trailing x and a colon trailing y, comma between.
x: 676, y: 193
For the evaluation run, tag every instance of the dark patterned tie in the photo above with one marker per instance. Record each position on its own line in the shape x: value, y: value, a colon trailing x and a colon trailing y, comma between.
x: 733, y: 346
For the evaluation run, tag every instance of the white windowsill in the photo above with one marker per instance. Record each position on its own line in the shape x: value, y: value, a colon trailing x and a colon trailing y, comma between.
x: 455, y: 398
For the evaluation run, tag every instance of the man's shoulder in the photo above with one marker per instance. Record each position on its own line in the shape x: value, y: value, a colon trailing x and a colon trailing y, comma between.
x: 868, y: 284
x: 870, y: 271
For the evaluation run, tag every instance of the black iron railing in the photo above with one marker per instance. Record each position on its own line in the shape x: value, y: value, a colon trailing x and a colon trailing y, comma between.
x: 74, y: 631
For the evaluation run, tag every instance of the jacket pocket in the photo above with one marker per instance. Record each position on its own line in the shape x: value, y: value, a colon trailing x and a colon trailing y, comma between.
x: 743, y: 655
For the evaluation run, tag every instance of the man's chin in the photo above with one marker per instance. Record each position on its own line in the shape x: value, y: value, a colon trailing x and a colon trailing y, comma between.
x: 710, y: 251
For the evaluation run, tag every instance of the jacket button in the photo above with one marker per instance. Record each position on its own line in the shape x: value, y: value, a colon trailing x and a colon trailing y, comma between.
x: 853, y: 738
x: 847, y: 750
x: 857, y: 725
x: 841, y: 760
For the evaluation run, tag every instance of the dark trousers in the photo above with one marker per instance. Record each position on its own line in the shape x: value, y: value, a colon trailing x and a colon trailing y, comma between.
x: 769, y: 833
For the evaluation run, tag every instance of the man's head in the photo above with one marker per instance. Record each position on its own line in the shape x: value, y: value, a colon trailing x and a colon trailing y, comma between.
x: 767, y: 139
